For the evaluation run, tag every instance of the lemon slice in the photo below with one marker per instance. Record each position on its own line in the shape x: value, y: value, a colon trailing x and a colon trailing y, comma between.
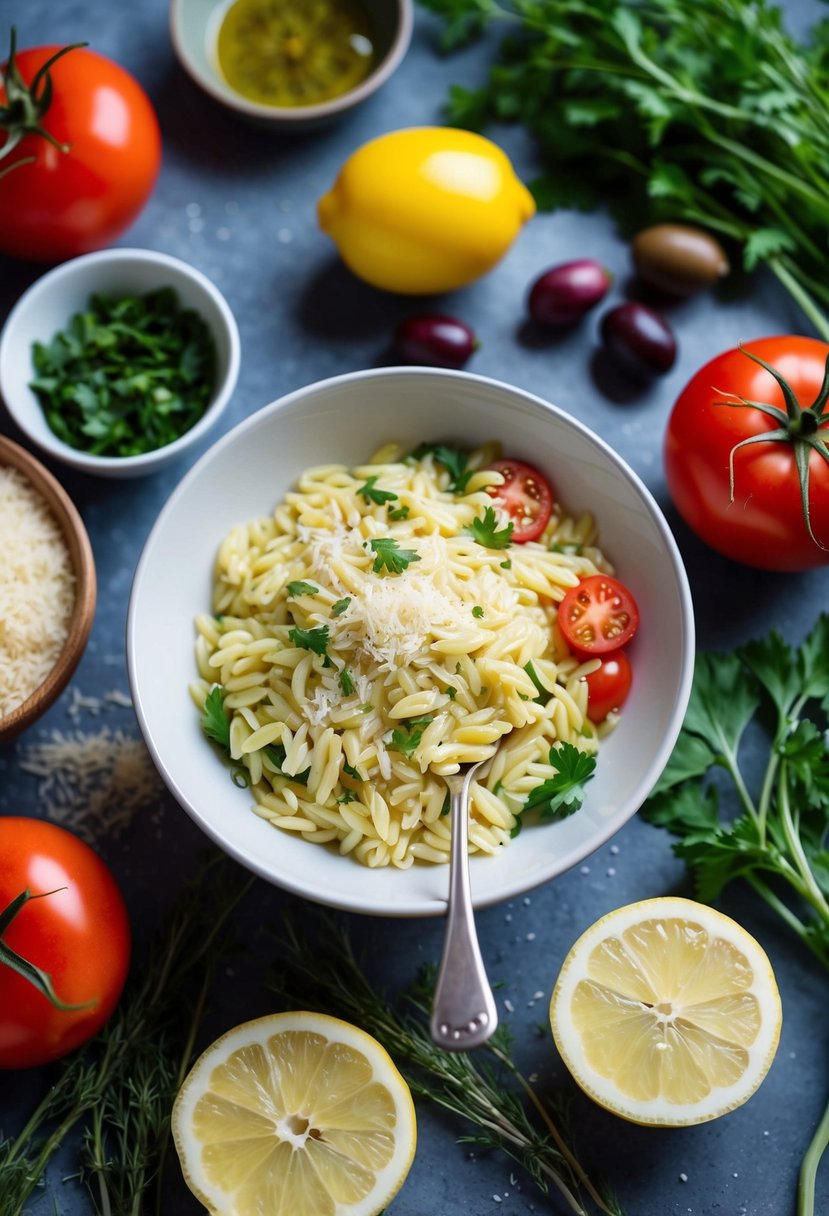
x: 666, y: 1012
x: 294, y: 1114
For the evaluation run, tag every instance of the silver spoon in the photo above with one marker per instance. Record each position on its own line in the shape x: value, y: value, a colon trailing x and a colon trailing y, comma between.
x: 463, y: 1011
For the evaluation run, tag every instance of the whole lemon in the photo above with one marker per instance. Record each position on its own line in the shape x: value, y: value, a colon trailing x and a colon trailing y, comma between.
x: 425, y: 209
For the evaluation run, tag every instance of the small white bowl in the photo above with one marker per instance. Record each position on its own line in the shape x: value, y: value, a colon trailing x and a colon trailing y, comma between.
x: 344, y: 420
x: 194, y: 28
x: 52, y: 300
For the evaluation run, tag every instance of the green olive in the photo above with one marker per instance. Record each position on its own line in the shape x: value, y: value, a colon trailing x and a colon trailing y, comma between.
x: 678, y: 258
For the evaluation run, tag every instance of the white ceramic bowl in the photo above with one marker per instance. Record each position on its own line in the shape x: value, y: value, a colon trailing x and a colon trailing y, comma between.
x: 194, y: 28
x: 48, y: 305
x: 344, y: 420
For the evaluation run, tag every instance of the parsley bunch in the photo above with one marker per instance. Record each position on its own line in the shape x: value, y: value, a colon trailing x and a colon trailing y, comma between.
x: 775, y: 837
x: 711, y: 114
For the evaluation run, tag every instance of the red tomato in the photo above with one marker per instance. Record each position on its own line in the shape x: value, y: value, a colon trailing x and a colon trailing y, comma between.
x: 526, y: 496
x: 608, y: 686
x: 598, y: 616
x: 764, y: 526
x: 79, y: 934
x: 71, y: 202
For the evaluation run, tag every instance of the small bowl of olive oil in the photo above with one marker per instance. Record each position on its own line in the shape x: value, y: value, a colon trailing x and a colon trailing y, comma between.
x: 291, y: 64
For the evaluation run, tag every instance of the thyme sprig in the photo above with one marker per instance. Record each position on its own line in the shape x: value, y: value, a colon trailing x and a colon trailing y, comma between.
x: 317, y: 969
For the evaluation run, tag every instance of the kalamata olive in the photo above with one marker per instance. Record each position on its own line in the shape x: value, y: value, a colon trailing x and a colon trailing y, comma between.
x: 639, y: 338
x: 563, y: 294
x: 678, y: 258
x: 436, y: 340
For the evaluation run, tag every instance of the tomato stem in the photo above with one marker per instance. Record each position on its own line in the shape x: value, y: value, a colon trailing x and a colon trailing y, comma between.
x: 26, y: 105
x: 36, y: 976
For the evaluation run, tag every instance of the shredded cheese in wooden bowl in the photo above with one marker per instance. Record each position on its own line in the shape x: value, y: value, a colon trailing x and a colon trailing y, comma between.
x: 47, y: 589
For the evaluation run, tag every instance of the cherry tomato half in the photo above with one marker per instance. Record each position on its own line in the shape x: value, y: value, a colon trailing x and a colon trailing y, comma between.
x: 526, y: 496
x: 598, y: 616
x: 608, y: 686
x: 78, y: 932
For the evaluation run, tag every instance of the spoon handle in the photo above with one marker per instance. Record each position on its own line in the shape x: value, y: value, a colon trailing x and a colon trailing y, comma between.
x: 463, y: 1012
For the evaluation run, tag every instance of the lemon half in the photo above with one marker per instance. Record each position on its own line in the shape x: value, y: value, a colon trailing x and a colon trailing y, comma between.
x: 295, y: 1114
x: 667, y: 1012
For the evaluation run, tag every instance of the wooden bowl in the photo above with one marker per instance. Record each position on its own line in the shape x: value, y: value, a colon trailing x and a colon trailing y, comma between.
x: 83, y: 565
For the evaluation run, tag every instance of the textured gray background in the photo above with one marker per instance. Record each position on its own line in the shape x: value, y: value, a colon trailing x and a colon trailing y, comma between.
x: 240, y: 205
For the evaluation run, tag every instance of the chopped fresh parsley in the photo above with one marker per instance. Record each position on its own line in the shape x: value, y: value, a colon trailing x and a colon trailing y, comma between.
x: 347, y: 796
x: 351, y: 771
x: 399, y: 512
x: 276, y: 754
x: 486, y: 532
x: 507, y: 565
x: 370, y: 494
x: 543, y: 693
x: 563, y: 794
x: 453, y: 460
x: 301, y: 588
x: 214, y: 720
x: 339, y: 608
x: 390, y: 556
x: 407, y: 737
x: 311, y: 639
x: 346, y: 682
x: 478, y: 611
x: 451, y: 691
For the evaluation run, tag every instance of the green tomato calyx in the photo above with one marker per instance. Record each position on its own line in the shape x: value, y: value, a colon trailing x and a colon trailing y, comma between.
x: 801, y: 426
x: 26, y: 105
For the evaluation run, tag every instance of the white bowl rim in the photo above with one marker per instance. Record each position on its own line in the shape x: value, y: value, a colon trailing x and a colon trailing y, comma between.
x: 87, y: 461
x: 296, y: 114
x: 422, y: 908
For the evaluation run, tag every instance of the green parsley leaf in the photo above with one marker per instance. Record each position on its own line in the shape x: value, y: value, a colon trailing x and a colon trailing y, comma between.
x: 301, y: 588
x: 276, y: 754
x: 346, y: 682
x: 370, y: 494
x: 507, y: 565
x: 351, y: 771
x: 390, y: 556
x: 487, y: 533
x: 478, y: 611
x: 563, y: 794
x: 453, y: 460
x: 543, y: 694
x: 399, y: 513
x: 214, y: 720
x: 311, y: 639
x: 339, y: 608
x: 347, y: 796
x: 406, y: 738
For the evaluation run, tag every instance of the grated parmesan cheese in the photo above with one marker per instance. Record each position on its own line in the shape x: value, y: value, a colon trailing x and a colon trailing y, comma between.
x: 37, y: 589
x: 93, y: 784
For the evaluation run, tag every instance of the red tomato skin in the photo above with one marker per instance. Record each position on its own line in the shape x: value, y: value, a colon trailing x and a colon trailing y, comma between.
x: 598, y: 616
x: 80, y: 935
x: 608, y: 686
x: 69, y: 203
x: 515, y: 498
x: 764, y: 525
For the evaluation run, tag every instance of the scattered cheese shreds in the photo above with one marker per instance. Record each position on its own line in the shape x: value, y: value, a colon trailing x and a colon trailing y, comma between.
x: 93, y: 784
x: 37, y: 590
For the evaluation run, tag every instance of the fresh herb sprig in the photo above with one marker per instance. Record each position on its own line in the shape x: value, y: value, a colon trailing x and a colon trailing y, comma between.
x: 389, y: 555
x: 774, y: 837
x: 719, y: 121
x: 127, y: 375
x: 484, y: 529
x: 454, y: 460
x: 562, y: 794
x: 317, y: 969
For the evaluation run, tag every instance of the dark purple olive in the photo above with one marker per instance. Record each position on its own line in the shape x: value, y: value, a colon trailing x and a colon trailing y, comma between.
x: 639, y: 338
x: 436, y: 340
x: 563, y: 294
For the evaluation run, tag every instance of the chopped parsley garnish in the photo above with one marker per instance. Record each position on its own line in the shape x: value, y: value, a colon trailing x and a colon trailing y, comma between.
x: 346, y: 682
x: 399, y: 512
x: 563, y: 794
x: 311, y: 639
x: 453, y: 460
x: 451, y: 691
x: 301, y: 588
x: 370, y: 494
x: 543, y: 693
x: 351, y: 771
x: 478, y: 611
x: 407, y: 737
x: 347, y: 796
x: 214, y: 720
x: 391, y: 556
x: 487, y: 533
x: 507, y: 565
x: 276, y: 754
x: 339, y: 608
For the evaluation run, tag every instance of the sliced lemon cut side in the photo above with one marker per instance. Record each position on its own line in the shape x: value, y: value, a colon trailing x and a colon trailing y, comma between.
x: 667, y: 1012
x: 295, y: 1114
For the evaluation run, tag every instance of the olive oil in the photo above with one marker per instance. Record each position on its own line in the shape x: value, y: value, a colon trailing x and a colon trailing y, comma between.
x: 295, y: 52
